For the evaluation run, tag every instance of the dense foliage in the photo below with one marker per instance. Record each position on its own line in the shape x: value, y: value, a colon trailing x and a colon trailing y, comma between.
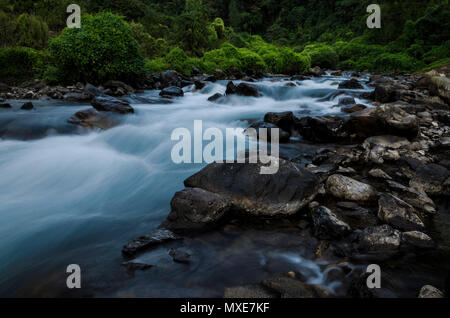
x: 251, y: 36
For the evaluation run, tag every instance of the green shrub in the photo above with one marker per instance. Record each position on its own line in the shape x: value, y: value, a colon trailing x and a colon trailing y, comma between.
x: 389, y: 62
x: 103, y: 49
x: 20, y: 64
x: 178, y: 60
x: 31, y: 31
x: 149, y: 46
x: 293, y: 63
x: 157, y: 65
x: 322, y: 55
x: 250, y: 62
x: 437, y: 53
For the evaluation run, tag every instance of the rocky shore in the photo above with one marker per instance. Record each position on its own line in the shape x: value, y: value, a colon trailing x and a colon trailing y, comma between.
x: 368, y: 194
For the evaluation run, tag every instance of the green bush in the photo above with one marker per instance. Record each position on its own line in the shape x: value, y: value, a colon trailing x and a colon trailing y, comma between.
x: 292, y: 63
x: 149, y: 46
x: 31, y: 31
x: 103, y: 49
x: 20, y: 64
x: 157, y: 65
x: 389, y: 62
x: 322, y: 55
x: 250, y: 62
x: 179, y: 61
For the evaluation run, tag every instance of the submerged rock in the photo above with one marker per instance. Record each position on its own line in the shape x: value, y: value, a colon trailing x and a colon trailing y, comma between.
x: 398, y: 213
x: 91, y: 118
x: 157, y: 237
x: 181, y: 255
x: 416, y: 197
x: 353, y: 109
x: 215, y: 97
x: 5, y: 105
x: 327, y: 225
x: 111, y: 104
x: 249, y: 191
x: 288, y: 287
x: 27, y: 106
x: 285, y: 120
x: 349, y: 189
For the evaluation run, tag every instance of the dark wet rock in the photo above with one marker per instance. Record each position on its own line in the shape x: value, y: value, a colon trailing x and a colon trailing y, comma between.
x: 287, y: 287
x: 135, y: 265
x: 290, y: 84
x: 249, y: 191
x: 6, y: 105
x: 170, y: 78
x: 215, y: 97
x: 199, y: 84
x: 432, y: 178
x: 378, y: 149
x: 398, y: 213
x: 323, y: 171
x: 181, y: 255
x: 439, y: 86
x: 316, y: 71
x: 155, y: 238
x: 92, y: 91
x: 380, y: 174
x: 211, y: 78
x: 327, y: 225
x: 346, y: 188
x: 171, y: 91
x: 242, y: 89
x: 355, y: 216
x: 336, y: 73
x: 417, y: 239
x: 353, y: 109
x: 299, y: 78
x: 111, y: 104
x: 347, y: 101
x: 196, y: 209
x: 285, y: 120
x: 4, y: 88
x: 350, y: 84
x: 324, y: 128
x: 251, y: 291
x: 415, y: 197
x: 283, y: 136
x: 387, y: 119
x: 27, y: 106
x: 379, y: 240
x: 77, y: 97
x: 429, y: 291
x: 119, y: 88
x: 91, y: 118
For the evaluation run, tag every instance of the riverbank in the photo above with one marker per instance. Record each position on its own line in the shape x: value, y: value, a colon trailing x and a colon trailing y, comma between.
x: 108, y: 185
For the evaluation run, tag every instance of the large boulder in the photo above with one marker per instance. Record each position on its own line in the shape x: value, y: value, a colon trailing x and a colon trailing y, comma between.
x: 242, y: 89
x: 285, y: 120
x: 350, y: 84
x: 387, y: 119
x: 381, y: 148
x: 398, y: 213
x: 170, y: 78
x: 171, y: 91
x: 429, y: 291
x: 416, y: 239
x: 118, y: 88
x: 327, y: 225
x: 324, y: 128
x: 111, y: 104
x: 196, y: 209
x: 250, y: 192
x: 92, y: 91
x: 283, y: 136
x: 346, y: 188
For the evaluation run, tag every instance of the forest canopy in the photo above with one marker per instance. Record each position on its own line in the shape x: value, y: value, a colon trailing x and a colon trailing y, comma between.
x: 137, y: 37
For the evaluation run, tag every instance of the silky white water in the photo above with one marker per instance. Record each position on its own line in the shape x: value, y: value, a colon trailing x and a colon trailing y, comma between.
x: 77, y: 198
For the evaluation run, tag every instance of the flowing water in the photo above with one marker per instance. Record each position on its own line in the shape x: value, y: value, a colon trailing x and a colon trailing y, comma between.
x: 77, y: 197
